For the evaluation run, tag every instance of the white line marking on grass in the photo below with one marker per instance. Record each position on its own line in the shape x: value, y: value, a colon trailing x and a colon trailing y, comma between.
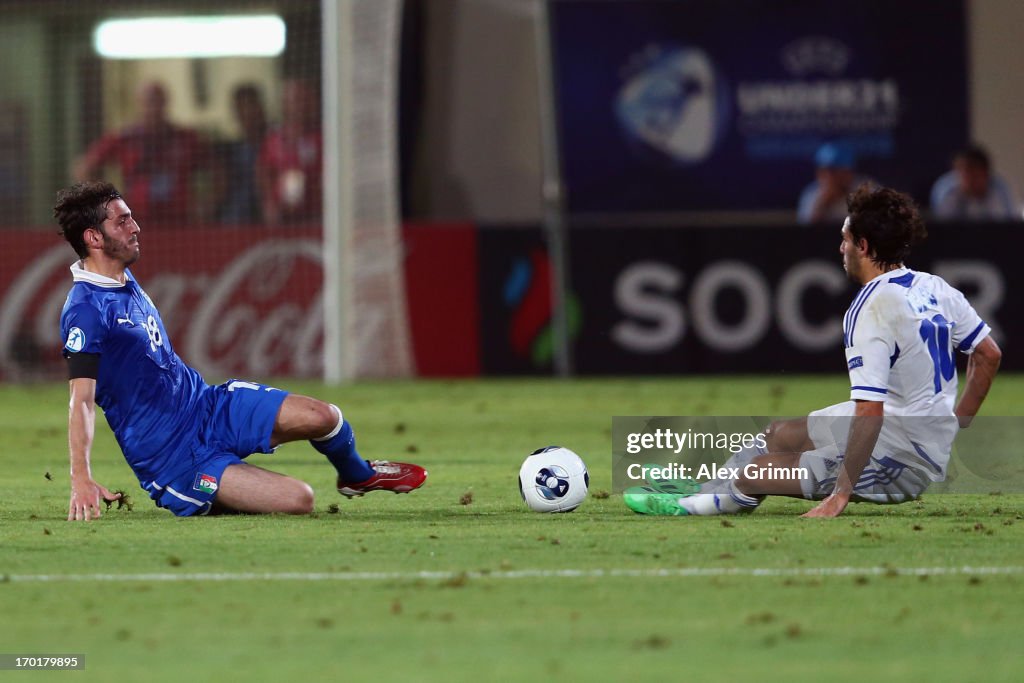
x: 679, y: 572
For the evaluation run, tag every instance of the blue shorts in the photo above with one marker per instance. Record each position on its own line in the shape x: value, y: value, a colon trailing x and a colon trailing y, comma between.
x: 239, y: 423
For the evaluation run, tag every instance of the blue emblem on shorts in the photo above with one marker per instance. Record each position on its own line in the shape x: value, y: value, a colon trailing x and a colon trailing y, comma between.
x: 205, y: 483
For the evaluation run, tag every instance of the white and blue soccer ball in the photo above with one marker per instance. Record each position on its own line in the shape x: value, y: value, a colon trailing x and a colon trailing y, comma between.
x: 553, y: 479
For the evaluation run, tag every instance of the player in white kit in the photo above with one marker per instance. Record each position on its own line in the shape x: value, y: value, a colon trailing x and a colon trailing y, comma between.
x: 894, y: 436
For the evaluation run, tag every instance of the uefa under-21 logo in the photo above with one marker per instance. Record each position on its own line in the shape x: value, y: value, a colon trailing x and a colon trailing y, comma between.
x: 674, y: 100
x: 76, y: 340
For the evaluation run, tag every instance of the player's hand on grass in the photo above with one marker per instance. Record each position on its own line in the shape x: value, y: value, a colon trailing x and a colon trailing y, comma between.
x: 85, y: 499
x: 832, y: 506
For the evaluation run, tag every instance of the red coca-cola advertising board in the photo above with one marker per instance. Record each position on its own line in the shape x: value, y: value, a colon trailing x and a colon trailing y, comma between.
x: 240, y: 302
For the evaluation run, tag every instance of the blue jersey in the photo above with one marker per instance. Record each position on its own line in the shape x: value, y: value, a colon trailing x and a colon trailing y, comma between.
x: 153, y: 402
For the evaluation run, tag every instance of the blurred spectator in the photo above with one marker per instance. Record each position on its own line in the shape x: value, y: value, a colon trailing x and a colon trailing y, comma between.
x: 971, y: 192
x: 240, y: 201
x: 824, y: 200
x: 291, y: 160
x: 158, y: 161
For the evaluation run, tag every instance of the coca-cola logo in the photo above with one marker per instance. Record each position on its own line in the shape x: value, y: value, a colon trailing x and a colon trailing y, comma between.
x: 30, y: 314
x: 255, y: 312
x: 261, y: 315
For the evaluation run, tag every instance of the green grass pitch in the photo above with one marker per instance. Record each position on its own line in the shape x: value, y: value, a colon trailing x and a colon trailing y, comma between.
x: 460, y: 582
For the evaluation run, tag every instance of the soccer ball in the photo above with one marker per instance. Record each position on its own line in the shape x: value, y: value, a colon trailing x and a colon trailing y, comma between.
x: 553, y: 479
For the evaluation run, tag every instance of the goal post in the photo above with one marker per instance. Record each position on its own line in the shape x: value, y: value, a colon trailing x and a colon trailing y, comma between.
x: 366, y: 331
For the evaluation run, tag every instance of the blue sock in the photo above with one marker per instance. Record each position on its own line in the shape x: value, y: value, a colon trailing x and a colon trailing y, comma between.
x: 340, y: 448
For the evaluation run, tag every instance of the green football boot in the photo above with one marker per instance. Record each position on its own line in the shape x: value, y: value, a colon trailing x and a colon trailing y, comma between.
x: 677, y: 487
x: 645, y: 500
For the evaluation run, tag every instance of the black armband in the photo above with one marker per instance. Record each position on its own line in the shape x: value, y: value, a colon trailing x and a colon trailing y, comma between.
x: 83, y: 365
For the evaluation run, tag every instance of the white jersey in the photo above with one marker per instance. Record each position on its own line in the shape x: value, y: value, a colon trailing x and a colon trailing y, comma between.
x: 900, y: 335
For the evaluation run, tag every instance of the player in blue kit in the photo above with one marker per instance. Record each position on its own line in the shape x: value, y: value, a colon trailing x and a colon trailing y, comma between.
x: 184, y: 439
x: 895, y: 434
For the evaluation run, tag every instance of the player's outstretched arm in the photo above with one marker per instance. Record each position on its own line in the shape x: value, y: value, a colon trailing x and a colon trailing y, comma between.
x: 982, y: 367
x: 867, y: 424
x: 85, y: 493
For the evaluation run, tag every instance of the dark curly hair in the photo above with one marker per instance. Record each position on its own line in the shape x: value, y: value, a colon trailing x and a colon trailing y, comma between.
x: 888, y: 220
x: 80, y: 207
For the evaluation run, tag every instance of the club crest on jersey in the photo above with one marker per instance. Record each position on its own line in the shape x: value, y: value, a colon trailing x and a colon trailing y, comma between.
x: 205, y: 483
x: 76, y: 340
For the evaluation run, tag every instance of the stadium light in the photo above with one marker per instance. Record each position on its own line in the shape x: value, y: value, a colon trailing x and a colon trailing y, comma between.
x: 211, y: 36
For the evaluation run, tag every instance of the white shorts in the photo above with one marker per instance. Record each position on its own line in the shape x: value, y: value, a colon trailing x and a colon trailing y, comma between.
x: 892, y: 475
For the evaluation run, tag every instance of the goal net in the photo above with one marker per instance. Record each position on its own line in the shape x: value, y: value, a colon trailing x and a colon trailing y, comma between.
x: 254, y: 141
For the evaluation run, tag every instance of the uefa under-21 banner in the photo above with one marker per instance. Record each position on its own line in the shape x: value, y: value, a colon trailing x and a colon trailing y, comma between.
x: 697, y: 105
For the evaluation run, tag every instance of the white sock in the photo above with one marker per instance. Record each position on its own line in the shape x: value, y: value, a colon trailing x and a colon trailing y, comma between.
x: 727, y: 502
